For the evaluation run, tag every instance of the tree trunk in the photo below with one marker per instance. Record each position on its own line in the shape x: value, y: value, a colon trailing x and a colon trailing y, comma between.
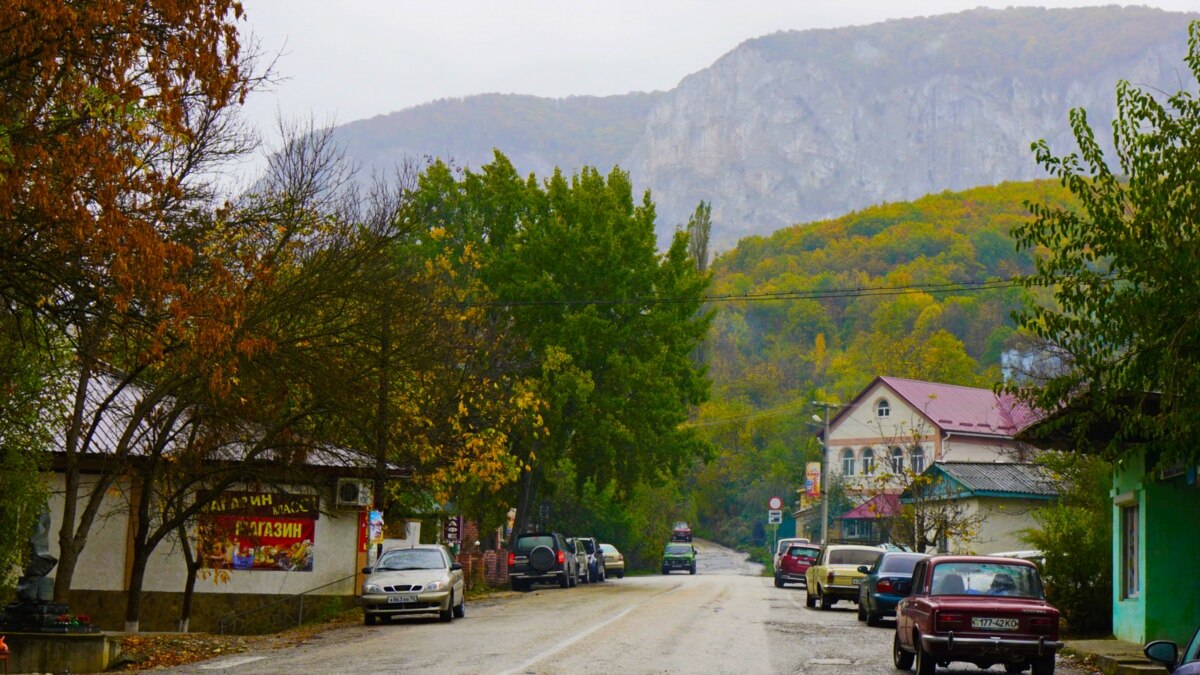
x: 133, y: 597
x: 189, y: 587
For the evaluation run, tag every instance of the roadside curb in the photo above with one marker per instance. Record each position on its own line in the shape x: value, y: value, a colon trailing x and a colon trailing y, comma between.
x: 1114, y: 657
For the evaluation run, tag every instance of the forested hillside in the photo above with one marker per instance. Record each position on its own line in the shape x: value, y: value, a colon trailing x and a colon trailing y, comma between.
x: 890, y: 290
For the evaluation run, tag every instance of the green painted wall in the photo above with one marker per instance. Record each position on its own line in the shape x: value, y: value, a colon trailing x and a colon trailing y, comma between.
x: 1168, y: 606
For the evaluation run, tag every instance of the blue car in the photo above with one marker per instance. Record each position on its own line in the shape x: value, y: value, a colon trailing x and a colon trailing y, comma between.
x: 887, y: 582
x: 1167, y: 653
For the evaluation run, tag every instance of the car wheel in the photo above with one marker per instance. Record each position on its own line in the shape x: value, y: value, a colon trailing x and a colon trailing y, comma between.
x: 517, y: 585
x: 461, y: 610
x: 924, y: 662
x: 778, y: 582
x: 693, y: 570
x: 809, y: 600
x: 665, y: 570
x: 447, y: 614
x: 874, y: 619
x: 862, y: 611
x: 825, y: 600
x: 1015, y: 667
x: 542, y: 559
x: 368, y: 619
x: 1043, y: 665
x: 564, y: 579
x: 901, y: 659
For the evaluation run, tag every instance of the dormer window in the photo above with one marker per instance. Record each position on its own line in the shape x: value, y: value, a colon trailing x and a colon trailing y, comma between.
x: 883, y: 408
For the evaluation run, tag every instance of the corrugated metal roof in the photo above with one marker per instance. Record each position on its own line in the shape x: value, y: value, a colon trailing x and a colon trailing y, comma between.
x: 966, y: 410
x: 1000, y: 477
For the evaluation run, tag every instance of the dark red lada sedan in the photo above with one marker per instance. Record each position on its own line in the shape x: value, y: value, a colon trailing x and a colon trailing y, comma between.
x: 977, y: 609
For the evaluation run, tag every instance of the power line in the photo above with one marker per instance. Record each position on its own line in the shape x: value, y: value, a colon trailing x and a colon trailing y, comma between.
x: 814, y: 294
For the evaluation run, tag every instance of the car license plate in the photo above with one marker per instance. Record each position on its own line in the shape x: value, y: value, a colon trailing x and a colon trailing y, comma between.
x: 404, y: 597
x: 990, y: 623
x: 857, y: 582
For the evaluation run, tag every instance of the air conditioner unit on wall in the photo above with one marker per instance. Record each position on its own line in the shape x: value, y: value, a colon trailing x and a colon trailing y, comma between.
x: 353, y: 492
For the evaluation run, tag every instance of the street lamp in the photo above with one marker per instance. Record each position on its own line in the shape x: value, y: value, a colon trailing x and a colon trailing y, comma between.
x: 824, y: 470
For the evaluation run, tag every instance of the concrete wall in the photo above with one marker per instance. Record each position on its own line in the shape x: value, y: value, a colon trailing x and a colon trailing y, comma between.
x: 1002, y: 521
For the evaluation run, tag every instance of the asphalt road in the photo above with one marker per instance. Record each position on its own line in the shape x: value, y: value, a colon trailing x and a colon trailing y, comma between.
x: 725, y: 619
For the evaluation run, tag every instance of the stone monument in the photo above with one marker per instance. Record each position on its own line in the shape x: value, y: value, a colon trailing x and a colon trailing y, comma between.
x: 33, y: 611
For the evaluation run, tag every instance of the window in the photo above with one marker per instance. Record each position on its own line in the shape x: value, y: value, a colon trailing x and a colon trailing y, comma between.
x: 897, y: 460
x: 883, y: 408
x: 1130, y: 532
x: 917, y: 459
x: 851, y: 529
x: 868, y: 460
x: 847, y: 462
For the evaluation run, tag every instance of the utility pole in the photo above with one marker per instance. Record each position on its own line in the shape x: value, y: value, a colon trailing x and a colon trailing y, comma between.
x: 825, y: 470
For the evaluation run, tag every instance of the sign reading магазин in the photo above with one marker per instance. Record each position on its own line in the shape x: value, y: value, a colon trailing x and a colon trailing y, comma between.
x: 258, y: 531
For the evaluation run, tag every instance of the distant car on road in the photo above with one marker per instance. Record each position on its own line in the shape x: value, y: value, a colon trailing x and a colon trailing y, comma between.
x: 794, y: 563
x: 983, y: 610
x: 835, y: 575
x: 885, y: 584
x: 679, y: 557
x: 614, y: 562
x: 423, y: 579
x: 782, y: 545
x: 681, y: 532
x: 581, y: 560
x: 1167, y: 653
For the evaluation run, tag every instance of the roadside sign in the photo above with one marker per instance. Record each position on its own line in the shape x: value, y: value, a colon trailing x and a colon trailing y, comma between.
x: 774, y: 517
x: 775, y: 503
x: 452, y: 529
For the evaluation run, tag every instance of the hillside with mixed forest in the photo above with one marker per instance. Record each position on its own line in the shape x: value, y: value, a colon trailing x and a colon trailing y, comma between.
x: 918, y: 289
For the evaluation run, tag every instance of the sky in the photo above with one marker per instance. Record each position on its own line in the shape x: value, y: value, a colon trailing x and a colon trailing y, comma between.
x: 354, y: 59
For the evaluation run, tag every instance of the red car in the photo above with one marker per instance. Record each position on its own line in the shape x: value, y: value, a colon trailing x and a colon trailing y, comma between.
x: 978, y: 609
x: 794, y: 562
x: 681, y: 532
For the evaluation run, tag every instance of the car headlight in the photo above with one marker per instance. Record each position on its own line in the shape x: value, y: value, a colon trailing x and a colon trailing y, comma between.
x: 372, y: 588
x: 435, y: 585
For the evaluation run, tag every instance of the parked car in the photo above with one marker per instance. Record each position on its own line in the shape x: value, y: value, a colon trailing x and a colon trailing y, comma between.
x: 835, y: 576
x: 679, y: 557
x: 422, y: 579
x: 614, y: 562
x: 978, y: 609
x: 595, y: 558
x: 581, y: 560
x: 781, y: 546
x: 794, y: 563
x: 681, y: 532
x: 885, y: 584
x: 1167, y: 653
x: 542, y: 557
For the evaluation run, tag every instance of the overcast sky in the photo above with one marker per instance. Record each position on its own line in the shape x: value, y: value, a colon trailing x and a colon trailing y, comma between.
x: 354, y: 59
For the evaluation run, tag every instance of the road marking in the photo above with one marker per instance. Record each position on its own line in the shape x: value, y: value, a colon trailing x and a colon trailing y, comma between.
x: 230, y: 663
x: 579, y: 636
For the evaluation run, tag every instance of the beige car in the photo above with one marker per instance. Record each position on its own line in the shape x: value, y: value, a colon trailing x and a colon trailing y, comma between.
x: 422, y: 579
x: 835, y: 576
x: 614, y: 562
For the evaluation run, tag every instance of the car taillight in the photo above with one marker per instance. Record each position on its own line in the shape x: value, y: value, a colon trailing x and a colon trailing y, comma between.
x: 1041, y: 624
x: 829, y: 577
x: 562, y: 558
x: 947, y: 621
x: 883, y: 586
x: 512, y: 559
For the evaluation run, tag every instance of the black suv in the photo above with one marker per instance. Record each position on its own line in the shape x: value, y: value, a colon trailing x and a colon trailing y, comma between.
x: 595, y: 558
x: 541, y: 557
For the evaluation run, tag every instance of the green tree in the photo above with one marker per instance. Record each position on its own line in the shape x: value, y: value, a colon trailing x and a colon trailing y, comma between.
x: 1122, y: 268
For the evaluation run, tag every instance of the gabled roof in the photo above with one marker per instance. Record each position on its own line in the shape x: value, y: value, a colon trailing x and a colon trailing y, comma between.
x: 883, y: 505
x: 1014, y: 480
x: 955, y: 409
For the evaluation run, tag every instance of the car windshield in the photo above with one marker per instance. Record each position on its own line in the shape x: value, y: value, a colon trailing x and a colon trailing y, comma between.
x: 411, y: 559
x: 608, y: 548
x: 853, y: 556
x: 527, y: 544
x: 588, y: 545
x: 1193, y: 650
x: 899, y: 564
x: 681, y: 525
x: 1000, y: 579
x: 679, y: 550
x: 804, y: 552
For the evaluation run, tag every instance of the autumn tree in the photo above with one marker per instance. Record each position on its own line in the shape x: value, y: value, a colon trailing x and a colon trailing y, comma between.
x: 1122, y: 271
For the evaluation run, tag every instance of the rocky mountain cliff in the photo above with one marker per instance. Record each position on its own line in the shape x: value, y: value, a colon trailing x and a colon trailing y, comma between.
x: 798, y: 126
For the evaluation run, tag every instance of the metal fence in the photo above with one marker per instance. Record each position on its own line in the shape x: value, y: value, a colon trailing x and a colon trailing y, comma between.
x: 283, y: 612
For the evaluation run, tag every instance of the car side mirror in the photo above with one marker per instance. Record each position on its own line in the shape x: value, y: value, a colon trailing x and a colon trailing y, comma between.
x: 864, y: 569
x: 455, y: 566
x: 366, y: 570
x: 1164, y: 652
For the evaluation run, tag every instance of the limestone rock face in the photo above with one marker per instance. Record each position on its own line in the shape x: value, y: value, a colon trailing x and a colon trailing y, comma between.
x: 799, y: 126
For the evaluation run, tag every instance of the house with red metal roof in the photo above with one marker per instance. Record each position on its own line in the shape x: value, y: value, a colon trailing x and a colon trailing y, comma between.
x: 897, y: 427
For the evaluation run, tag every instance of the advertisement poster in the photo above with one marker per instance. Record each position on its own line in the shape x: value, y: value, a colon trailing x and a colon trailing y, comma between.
x: 812, y: 480
x: 376, y: 527
x: 258, y: 531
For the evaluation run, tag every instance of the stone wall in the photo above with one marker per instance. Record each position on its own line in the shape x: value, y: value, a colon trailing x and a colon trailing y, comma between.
x: 243, y: 612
